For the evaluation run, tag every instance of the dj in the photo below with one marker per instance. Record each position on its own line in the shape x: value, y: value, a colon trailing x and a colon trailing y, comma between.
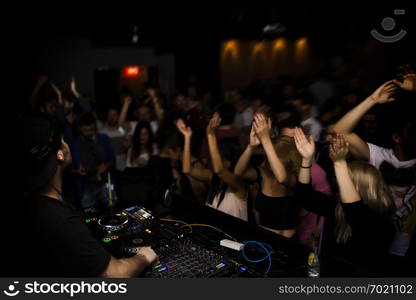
x: 61, y: 245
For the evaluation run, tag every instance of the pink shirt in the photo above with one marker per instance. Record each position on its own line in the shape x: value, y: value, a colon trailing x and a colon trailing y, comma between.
x: 307, y: 223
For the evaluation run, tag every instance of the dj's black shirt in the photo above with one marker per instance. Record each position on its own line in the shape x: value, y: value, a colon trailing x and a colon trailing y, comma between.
x: 61, y: 245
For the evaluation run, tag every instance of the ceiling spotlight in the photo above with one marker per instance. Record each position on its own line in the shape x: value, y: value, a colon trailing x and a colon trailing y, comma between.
x: 275, y: 28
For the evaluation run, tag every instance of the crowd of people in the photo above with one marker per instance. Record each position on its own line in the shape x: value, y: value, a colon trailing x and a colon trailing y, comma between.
x: 319, y: 162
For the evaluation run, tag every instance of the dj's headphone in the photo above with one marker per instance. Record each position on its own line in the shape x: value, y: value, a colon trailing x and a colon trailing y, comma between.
x: 39, y: 153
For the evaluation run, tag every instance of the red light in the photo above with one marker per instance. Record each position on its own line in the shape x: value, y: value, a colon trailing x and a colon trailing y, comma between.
x: 132, y: 71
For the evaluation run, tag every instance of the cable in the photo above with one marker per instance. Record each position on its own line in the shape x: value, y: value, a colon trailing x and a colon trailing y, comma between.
x: 199, y: 225
x: 267, y: 249
x: 178, y: 221
x: 264, y: 247
x: 213, y: 227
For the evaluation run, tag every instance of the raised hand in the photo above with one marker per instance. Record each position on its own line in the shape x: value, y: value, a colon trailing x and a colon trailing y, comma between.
x: 213, y: 123
x: 73, y: 85
x: 58, y: 92
x: 127, y: 100
x: 384, y: 93
x: 408, y: 76
x: 338, y: 150
x: 254, y: 140
x: 186, y: 131
x: 262, y: 126
x: 305, y: 147
x: 73, y: 88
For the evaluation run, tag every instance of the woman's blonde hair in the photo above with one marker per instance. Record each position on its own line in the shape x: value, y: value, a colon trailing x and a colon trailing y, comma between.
x: 287, y: 152
x: 373, y: 191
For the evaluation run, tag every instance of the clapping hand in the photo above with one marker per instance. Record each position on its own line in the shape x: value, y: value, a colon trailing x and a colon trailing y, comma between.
x: 338, y: 150
x: 306, y: 147
x: 262, y: 126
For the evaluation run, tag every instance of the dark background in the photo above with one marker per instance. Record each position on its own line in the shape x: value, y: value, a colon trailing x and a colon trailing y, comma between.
x: 193, y: 33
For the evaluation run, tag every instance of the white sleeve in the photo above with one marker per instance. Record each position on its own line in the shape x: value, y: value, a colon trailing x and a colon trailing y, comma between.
x: 376, y: 155
x: 154, y: 126
x: 133, y: 125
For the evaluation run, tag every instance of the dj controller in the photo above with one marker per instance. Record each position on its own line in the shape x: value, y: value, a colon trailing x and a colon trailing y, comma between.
x: 183, y: 252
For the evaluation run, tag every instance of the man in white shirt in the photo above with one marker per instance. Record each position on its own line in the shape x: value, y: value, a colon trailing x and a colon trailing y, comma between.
x: 391, y: 162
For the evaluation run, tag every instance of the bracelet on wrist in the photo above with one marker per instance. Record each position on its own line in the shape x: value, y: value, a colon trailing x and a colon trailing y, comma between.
x: 308, y: 167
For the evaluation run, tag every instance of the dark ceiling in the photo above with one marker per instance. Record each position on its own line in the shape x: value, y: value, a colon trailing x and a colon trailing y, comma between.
x: 171, y: 28
x: 193, y: 32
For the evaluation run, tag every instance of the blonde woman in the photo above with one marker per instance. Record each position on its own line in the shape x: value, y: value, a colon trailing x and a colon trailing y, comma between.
x: 358, y: 225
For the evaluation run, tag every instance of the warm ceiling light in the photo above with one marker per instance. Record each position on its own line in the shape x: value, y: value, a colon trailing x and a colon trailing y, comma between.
x: 258, y: 47
x: 131, y: 71
x: 301, y: 42
x: 279, y: 44
x: 230, y: 45
x: 230, y: 49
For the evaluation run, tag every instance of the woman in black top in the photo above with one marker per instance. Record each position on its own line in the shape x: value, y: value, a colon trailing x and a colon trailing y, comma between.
x: 276, y: 205
x: 358, y: 225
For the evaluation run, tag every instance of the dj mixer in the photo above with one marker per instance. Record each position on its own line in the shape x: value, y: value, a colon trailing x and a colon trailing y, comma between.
x: 183, y: 252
